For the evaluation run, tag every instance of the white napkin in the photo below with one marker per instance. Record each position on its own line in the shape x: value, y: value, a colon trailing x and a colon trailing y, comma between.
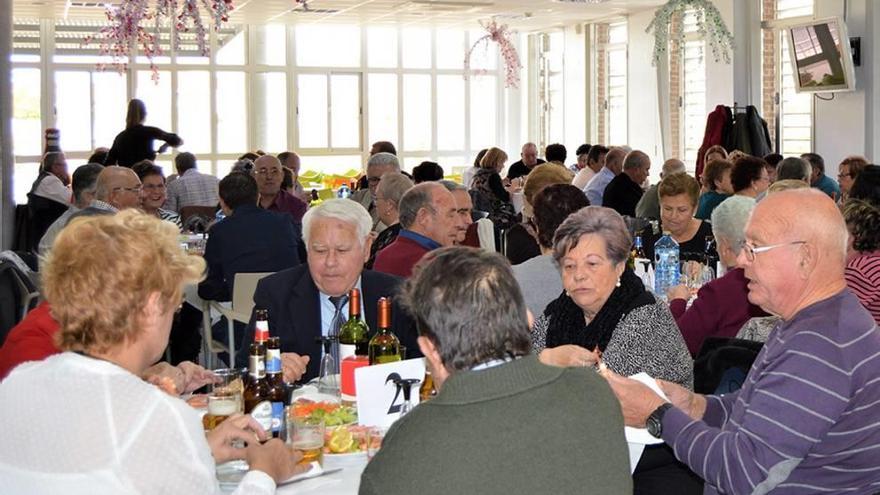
x: 641, y: 436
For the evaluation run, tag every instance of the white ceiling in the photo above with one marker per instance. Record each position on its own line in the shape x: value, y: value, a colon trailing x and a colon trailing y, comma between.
x: 523, y: 15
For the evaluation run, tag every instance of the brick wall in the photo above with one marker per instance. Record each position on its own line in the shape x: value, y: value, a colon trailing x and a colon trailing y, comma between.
x: 601, y: 83
x: 675, y: 91
x: 769, y: 78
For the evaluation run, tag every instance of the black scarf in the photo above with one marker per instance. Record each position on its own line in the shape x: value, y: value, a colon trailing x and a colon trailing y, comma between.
x: 567, y: 324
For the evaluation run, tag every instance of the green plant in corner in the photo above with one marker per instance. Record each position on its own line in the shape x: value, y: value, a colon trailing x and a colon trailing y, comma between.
x: 709, y: 23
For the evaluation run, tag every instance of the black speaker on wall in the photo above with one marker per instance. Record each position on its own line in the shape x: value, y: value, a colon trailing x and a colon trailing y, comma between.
x: 855, y: 44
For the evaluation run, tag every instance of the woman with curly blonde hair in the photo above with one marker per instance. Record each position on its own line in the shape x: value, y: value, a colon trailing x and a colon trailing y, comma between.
x: 83, y: 419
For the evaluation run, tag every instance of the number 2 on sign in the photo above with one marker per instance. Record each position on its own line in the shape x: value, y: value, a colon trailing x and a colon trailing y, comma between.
x: 395, y: 407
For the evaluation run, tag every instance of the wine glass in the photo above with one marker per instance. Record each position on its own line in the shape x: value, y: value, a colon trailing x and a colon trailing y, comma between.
x: 328, y: 379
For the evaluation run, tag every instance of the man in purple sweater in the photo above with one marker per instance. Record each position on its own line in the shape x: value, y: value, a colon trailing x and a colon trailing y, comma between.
x: 805, y: 421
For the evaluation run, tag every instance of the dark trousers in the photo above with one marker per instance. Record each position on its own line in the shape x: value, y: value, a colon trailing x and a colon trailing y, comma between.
x: 660, y: 473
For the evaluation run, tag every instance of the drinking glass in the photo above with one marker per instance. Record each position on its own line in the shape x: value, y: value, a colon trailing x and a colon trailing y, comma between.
x: 307, y: 436
x: 229, y: 382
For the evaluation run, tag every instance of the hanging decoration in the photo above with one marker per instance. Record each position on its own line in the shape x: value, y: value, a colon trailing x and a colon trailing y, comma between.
x: 499, y: 33
x: 129, y: 18
x: 710, y: 25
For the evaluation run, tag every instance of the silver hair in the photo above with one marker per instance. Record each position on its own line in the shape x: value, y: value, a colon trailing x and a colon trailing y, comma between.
x: 415, y: 199
x: 672, y: 166
x: 635, y: 159
x: 794, y: 168
x: 344, y: 210
x: 729, y: 220
x: 393, y: 186
x: 597, y: 220
x: 384, y: 158
x: 451, y: 185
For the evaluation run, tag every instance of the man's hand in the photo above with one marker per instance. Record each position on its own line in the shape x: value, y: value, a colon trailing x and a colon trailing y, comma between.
x: 293, y: 366
x: 569, y: 356
x: 637, y: 401
x: 236, y: 427
x: 275, y: 459
x: 692, y: 404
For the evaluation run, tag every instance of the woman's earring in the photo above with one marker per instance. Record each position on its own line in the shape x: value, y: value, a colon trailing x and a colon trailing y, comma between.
x: 618, y: 282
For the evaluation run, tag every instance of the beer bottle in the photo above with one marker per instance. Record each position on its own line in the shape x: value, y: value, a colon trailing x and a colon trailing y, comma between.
x: 256, y: 393
x: 275, y: 381
x: 354, y: 336
x: 384, y: 346
x: 427, y: 390
x: 261, y: 328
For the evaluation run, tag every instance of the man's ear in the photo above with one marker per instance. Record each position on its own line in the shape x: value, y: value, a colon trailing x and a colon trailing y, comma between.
x: 368, y: 243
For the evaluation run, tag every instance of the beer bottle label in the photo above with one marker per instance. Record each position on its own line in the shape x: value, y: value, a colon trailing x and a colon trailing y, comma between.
x: 277, y: 417
x: 261, y: 332
x: 257, y: 366
x: 262, y: 412
x: 273, y: 361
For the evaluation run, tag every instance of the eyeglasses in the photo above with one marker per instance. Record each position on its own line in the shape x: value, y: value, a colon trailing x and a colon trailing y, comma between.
x: 750, y: 250
x: 136, y: 189
x: 374, y: 180
x: 154, y: 187
x: 267, y: 171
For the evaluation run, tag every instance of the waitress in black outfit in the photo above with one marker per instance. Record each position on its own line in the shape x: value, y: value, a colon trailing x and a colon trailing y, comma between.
x: 135, y: 143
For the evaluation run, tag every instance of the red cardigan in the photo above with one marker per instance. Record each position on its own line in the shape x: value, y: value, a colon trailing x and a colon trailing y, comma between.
x: 721, y: 308
x: 33, y: 339
x: 399, y: 257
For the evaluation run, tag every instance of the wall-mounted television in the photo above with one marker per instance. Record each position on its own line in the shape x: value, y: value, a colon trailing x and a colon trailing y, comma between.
x: 820, y: 56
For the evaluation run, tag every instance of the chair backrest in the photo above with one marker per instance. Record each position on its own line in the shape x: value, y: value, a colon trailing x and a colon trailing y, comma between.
x: 243, y: 291
x: 486, y: 234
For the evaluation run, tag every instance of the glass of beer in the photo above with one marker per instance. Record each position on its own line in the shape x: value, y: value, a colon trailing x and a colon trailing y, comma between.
x: 225, y: 398
x: 307, y: 436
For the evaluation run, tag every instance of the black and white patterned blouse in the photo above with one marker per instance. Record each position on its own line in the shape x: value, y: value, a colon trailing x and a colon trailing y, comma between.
x: 645, y: 340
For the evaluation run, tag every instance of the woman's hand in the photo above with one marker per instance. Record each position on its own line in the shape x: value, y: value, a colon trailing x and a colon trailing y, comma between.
x: 170, y: 379
x: 195, y: 377
x: 568, y: 356
x: 275, y: 459
x: 680, y: 291
x: 222, y: 439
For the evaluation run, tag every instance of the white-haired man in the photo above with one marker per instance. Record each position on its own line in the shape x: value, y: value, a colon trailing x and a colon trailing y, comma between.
x: 310, y: 301
x: 378, y: 165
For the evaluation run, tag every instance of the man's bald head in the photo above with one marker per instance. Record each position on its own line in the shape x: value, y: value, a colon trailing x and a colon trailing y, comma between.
x: 118, y: 186
x: 672, y: 166
x: 614, y: 159
x: 808, y: 214
x: 796, y: 251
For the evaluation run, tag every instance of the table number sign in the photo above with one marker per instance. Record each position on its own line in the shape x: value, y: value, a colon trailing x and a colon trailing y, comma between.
x: 379, y: 399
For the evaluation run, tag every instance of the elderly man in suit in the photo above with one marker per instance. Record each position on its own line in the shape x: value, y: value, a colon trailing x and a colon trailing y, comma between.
x: 304, y: 302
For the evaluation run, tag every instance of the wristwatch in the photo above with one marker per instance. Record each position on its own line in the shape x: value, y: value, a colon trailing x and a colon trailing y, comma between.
x: 654, y: 423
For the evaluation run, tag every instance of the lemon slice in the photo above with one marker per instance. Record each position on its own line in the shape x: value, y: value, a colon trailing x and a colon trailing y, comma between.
x: 341, y: 441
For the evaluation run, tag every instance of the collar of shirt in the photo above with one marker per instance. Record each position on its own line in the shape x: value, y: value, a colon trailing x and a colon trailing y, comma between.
x: 493, y: 363
x: 102, y: 205
x: 425, y: 242
x: 328, y: 310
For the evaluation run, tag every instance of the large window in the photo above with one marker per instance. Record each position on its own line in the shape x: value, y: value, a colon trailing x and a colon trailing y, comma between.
x: 795, y: 110
x: 271, y: 87
x: 551, y: 83
x: 617, y: 84
x: 693, y: 100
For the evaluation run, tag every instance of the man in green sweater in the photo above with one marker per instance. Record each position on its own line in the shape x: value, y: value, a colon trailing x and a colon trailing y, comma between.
x: 502, y: 422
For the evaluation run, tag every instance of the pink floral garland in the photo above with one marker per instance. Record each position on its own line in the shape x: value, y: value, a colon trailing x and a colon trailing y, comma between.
x: 499, y: 33
x: 126, y: 28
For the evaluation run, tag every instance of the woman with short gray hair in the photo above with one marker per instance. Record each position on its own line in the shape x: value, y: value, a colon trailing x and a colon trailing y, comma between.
x: 606, y: 313
x: 722, y: 306
x: 388, y: 193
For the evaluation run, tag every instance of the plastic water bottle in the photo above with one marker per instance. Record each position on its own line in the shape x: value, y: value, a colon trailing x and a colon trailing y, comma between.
x: 666, y: 272
x: 344, y: 191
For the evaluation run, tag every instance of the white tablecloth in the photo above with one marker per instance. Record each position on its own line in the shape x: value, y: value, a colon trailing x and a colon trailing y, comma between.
x: 345, y: 482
